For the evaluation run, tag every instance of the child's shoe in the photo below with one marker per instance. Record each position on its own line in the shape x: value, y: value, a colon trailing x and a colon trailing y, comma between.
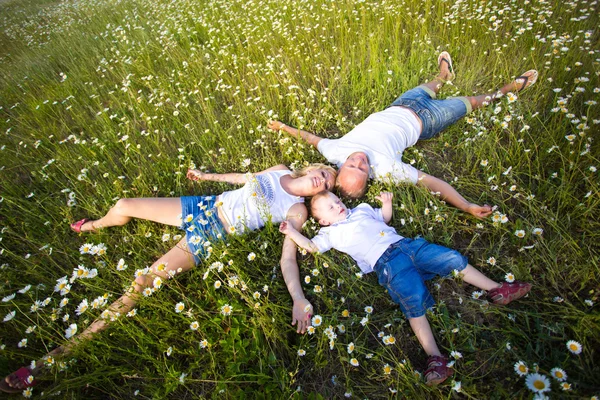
x: 437, y: 370
x: 509, y: 292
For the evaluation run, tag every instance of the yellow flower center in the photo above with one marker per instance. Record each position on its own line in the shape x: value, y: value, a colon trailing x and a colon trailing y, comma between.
x: 539, y: 385
x: 522, y: 368
x: 559, y: 374
x: 573, y: 347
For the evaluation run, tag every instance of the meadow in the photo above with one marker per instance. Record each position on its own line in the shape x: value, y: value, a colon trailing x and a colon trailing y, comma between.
x: 106, y: 99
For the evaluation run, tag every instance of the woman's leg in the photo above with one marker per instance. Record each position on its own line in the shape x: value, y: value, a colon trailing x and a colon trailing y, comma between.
x: 178, y: 260
x: 163, y: 210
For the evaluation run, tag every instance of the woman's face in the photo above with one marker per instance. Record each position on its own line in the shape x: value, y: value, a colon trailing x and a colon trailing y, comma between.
x: 317, y: 180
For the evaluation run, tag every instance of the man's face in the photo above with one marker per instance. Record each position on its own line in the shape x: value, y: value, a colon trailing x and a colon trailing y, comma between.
x: 354, y: 173
x: 330, y: 209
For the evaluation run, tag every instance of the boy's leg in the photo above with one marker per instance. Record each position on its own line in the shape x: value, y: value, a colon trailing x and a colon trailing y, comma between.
x: 476, y: 278
x: 422, y: 330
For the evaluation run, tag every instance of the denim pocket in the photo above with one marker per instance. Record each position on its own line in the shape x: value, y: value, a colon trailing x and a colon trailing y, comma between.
x: 384, y: 274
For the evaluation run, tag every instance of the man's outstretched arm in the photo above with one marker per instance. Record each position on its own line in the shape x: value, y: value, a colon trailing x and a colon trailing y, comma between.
x: 308, y: 137
x: 449, y: 194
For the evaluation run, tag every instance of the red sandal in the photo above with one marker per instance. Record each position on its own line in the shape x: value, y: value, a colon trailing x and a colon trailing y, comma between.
x: 509, y: 292
x: 25, y: 378
x: 437, y: 370
x: 76, y: 226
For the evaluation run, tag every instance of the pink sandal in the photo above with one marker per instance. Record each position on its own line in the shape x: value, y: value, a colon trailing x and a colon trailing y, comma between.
x: 509, y: 292
x: 76, y: 226
x: 437, y: 370
x: 25, y: 378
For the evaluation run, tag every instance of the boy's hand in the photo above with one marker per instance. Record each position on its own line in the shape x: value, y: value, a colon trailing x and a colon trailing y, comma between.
x: 195, y: 175
x: 286, y: 228
x: 275, y: 125
x: 385, y: 197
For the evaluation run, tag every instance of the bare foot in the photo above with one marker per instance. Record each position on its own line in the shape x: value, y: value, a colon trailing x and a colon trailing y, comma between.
x: 445, y: 65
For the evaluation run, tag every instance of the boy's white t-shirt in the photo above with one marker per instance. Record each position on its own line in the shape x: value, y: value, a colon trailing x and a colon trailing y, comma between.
x: 383, y: 136
x: 363, y: 235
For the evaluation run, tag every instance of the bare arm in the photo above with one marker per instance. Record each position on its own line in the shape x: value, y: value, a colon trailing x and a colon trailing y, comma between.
x: 386, y: 205
x: 302, y: 309
x: 449, y: 194
x: 232, y: 177
x: 308, y: 137
x: 302, y: 241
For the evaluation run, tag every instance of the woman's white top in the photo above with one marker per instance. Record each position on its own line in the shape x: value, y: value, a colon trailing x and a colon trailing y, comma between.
x: 260, y: 200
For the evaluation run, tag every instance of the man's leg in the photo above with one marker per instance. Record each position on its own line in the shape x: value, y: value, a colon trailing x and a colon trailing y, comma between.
x: 517, y: 85
x: 445, y: 74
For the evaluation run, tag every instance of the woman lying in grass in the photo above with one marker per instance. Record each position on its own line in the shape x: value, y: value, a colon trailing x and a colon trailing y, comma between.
x: 275, y: 194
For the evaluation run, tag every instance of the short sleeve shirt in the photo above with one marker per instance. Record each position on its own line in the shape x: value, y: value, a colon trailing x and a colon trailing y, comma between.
x: 364, y: 236
x: 383, y: 136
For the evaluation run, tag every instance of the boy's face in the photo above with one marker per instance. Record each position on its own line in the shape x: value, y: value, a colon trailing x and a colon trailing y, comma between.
x: 330, y: 209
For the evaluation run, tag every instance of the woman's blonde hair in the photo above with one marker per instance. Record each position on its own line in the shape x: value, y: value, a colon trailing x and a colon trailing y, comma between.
x: 297, y: 173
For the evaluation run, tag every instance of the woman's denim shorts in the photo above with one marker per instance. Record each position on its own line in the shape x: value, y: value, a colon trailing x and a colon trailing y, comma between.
x: 406, y: 265
x: 436, y: 115
x: 201, y: 224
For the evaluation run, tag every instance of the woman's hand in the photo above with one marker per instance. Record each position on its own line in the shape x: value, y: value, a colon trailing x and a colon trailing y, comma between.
x: 195, y: 175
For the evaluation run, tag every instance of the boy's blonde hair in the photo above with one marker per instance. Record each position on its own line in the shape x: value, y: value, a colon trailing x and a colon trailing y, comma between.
x: 297, y: 173
x: 313, y: 200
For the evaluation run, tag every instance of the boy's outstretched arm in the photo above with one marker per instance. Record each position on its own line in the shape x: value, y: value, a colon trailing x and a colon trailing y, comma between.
x: 449, y: 194
x: 301, y: 240
x: 386, y: 205
x: 310, y: 138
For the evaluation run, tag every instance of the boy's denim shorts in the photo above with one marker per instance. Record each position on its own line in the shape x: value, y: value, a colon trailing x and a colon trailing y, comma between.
x: 406, y: 265
x: 201, y: 224
x: 436, y: 115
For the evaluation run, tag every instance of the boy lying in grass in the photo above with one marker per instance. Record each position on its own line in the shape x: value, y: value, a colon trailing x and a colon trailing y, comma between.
x: 402, y: 265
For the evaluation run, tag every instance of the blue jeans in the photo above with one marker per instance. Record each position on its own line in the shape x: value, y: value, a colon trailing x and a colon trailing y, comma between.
x: 435, y: 115
x: 406, y: 265
x: 201, y: 223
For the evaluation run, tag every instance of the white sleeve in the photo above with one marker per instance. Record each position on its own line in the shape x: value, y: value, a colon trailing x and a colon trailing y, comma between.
x: 322, y: 241
x: 327, y: 147
x: 376, y: 213
x: 405, y: 173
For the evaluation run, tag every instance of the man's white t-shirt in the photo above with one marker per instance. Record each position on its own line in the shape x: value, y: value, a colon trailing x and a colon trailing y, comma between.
x: 383, y: 136
x: 363, y: 235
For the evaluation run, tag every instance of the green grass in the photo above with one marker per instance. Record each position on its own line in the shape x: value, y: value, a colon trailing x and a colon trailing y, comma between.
x: 106, y: 99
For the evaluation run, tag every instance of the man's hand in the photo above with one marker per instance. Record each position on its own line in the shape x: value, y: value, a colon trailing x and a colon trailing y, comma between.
x: 275, y: 125
x: 301, y: 315
x: 195, y: 175
x: 479, y: 211
x: 385, y: 197
x: 286, y: 228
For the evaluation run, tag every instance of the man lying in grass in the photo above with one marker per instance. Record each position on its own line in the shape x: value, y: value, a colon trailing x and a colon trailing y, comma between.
x: 373, y: 149
x: 402, y: 265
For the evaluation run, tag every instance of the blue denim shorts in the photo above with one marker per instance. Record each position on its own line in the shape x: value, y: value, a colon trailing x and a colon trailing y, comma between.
x: 201, y: 224
x: 406, y: 265
x: 436, y: 115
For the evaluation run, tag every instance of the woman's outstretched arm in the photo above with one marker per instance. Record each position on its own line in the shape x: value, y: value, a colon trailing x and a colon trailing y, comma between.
x: 232, y: 177
x: 302, y: 309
